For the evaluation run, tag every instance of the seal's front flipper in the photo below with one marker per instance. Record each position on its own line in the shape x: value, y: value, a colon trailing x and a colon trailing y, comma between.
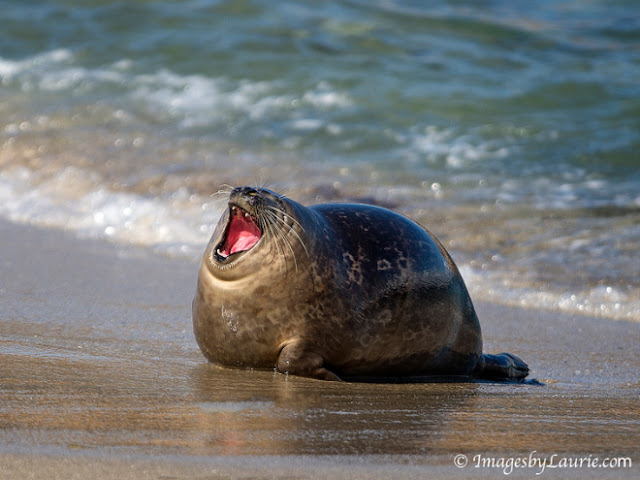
x: 295, y: 359
x: 503, y: 366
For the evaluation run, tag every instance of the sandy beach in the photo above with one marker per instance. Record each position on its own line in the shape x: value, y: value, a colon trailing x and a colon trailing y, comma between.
x: 100, y: 377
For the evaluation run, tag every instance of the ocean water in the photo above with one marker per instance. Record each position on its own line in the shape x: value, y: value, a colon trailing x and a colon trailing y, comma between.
x: 511, y: 131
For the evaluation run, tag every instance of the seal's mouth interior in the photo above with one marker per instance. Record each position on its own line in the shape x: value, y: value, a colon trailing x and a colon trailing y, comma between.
x: 241, y: 235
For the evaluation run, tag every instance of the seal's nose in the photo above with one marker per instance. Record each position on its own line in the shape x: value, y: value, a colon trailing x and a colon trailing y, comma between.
x: 244, y: 191
x: 245, y: 194
x: 254, y: 195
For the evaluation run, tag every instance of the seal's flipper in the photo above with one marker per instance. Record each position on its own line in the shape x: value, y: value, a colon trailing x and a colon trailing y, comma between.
x: 503, y: 366
x: 295, y: 359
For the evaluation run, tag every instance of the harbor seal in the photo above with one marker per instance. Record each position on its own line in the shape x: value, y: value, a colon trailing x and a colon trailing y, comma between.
x: 335, y: 291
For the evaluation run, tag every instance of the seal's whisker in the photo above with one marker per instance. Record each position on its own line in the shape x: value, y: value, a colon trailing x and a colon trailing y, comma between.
x: 266, y: 224
x: 278, y: 211
x: 270, y: 227
x: 261, y: 184
x: 225, y: 188
x: 284, y: 193
x: 280, y: 236
x: 218, y: 196
x: 283, y: 223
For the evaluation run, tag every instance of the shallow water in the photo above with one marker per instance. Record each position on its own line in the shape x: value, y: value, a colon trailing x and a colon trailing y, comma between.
x: 510, y: 132
x: 204, y: 410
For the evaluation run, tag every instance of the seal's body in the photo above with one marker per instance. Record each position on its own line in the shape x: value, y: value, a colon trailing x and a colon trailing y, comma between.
x: 335, y: 290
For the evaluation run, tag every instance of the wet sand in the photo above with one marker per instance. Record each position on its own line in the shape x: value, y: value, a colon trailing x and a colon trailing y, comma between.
x: 100, y: 377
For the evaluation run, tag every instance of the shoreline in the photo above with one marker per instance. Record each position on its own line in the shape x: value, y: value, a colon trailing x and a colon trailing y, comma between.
x: 175, y: 223
x: 101, y: 375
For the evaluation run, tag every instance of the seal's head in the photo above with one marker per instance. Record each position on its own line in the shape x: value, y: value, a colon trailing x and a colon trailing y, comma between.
x: 257, y: 226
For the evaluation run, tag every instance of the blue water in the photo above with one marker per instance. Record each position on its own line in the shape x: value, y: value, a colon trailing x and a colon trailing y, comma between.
x: 509, y: 129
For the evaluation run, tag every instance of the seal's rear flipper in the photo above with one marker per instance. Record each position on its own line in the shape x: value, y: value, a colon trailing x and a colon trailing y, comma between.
x: 503, y: 366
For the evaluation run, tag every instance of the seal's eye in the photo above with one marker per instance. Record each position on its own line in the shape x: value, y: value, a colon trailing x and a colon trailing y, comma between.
x: 242, y: 233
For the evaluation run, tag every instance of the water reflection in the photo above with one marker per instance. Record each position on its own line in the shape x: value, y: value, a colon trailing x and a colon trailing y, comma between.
x: 255, y: 412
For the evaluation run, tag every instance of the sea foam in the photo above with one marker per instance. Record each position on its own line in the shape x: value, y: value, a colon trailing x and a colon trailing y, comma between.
x: 72, y: 201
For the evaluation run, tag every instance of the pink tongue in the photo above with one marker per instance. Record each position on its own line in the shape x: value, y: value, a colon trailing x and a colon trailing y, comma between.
x: 245, y: 241
x: 243, y: 234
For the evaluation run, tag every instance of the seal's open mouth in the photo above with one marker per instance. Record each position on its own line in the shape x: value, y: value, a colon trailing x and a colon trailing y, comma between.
x: 242, y: 233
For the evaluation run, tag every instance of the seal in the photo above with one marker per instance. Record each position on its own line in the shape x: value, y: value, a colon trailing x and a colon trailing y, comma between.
x: 335, y: 291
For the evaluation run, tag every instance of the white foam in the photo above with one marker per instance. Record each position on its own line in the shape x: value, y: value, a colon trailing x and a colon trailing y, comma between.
x: 456, y: 151
x: 8, y: 69
x: 200, y: 101
x: 307, y: 124
x: 603, y: 301
x: 178, y: 224
x: 191, y: 100
x: 325, y: 97
x: 34, y: 68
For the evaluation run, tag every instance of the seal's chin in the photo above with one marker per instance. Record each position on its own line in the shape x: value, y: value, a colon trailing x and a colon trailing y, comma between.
x: 241, y: 235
